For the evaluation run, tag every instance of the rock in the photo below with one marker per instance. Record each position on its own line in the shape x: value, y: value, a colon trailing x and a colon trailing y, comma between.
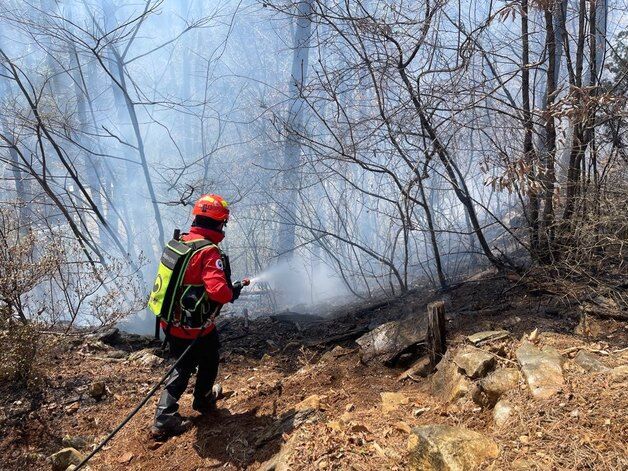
x: 281, y: 460
x: 359, y: 428
x: 420, y: 410
x: 97, y: 390
x: 555, y: 354
x: 117, y: 354
x: 487, y: 336
x: 34, y: 456
x: 335, y: 425
x: 392, y: 401
x: 110, y: 336
x: 72, y: 408
x: 312, y: 402
x: 336, y: 352
x: 523, y: 465
x: 339, y: 351
x: 146, y: 357
x: 589, y: 362
x: 542, y: 370
x: 619, y: 374
x: 403, y: 427
x: 78, y: 443
x: 387, y: 341
x: 448, y: 383
x: 93, y: 345
x: 446, y: 448
x: 346, y: 417
x: 491, y: 388
x: 502, y: 412
x: 475, y: 363
x: 125, y: 458
x: 64, y: 458
x: 421, y: 367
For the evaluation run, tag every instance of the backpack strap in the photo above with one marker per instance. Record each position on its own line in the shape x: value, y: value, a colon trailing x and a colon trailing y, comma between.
x: 199, y: 244
x: 196, y: 245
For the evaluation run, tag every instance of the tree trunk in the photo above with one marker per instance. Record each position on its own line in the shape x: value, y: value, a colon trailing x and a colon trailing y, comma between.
x: 117, y: 70
x: 528, y: 125
x: 550, y: 139
x: 294, y: 126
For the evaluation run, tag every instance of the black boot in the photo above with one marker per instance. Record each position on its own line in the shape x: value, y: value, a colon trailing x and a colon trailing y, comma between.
x: 168, y: 422
x: 176, y: 425
x: 208, y: 405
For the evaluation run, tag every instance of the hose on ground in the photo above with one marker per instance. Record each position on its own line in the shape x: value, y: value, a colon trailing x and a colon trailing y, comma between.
x: 138, y: 407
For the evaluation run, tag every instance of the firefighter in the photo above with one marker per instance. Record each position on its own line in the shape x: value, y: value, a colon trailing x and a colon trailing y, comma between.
x: 205, y: 284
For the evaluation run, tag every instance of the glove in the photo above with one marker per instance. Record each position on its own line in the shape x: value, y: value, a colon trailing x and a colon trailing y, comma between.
x: 236, y: 288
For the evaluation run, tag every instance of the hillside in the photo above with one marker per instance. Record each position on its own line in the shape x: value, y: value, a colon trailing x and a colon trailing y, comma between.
x: 298, y: 395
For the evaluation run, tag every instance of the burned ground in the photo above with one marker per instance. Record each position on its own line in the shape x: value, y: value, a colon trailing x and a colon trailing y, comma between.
x: 297, y: 390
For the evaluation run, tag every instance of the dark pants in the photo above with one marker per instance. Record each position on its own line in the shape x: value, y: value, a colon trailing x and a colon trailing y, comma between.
x: 202, y: 358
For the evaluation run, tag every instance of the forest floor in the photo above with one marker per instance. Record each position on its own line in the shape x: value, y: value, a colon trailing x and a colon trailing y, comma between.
x: 299, y: 397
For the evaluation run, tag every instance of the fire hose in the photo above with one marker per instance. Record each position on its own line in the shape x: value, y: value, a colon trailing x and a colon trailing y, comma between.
x: 154, y: 389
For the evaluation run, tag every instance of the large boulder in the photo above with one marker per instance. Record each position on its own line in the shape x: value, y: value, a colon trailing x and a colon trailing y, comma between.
x: 388, y: 341
x: 448, y: 383
x: 474, y: 362
x: 543, y: 370
x: 446, y: 448
x: 64, y: 458
x: 490, y: 389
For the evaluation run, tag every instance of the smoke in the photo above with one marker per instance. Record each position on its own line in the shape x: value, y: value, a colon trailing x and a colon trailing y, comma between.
x: 302, y: 283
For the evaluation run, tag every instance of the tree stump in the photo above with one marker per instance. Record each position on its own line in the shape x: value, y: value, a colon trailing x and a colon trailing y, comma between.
x: 436, y: 345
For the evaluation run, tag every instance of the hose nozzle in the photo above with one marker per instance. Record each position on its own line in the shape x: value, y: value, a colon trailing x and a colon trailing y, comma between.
x: 242, y: 283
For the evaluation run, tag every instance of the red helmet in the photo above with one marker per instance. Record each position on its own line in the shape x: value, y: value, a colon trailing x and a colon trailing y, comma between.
x: 213, y: 207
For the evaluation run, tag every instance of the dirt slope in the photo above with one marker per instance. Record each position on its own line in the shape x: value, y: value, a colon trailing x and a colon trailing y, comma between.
x: 274, y: 365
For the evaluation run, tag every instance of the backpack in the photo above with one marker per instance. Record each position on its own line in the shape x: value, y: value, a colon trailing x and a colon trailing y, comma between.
x: 172, y: 266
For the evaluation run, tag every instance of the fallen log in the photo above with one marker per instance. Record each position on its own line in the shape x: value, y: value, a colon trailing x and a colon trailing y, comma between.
x: 352, y: 334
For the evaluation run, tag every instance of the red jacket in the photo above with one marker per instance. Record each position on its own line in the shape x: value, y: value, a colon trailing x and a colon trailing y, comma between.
x: 205, y: 267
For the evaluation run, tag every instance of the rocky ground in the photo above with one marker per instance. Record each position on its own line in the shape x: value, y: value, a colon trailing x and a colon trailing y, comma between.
x: 527, y: 383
